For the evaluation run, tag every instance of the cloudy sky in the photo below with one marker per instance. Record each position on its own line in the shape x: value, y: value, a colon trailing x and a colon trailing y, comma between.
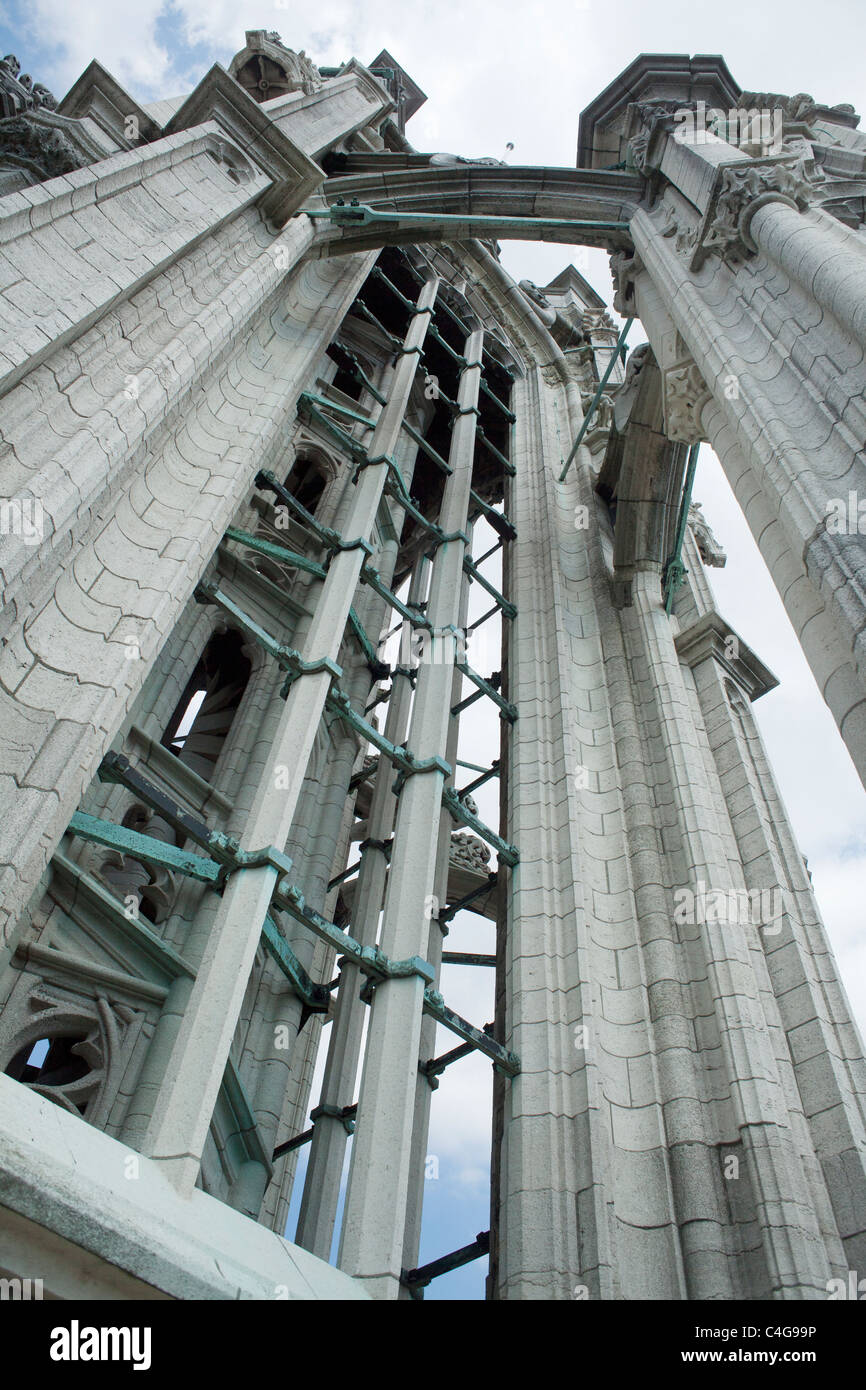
x: 520, y: 73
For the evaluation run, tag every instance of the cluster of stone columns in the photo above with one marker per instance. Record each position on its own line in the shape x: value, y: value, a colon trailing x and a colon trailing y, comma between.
x: 178, y: 1128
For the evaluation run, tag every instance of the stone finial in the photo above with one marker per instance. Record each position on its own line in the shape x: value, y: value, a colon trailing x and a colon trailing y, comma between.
x: 18, y: 92
x: 266, y: 68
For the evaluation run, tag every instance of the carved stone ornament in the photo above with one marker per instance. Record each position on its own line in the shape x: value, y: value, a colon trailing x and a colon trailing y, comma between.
x: 799, y: 111
x: 624, y: 267
x: 598, y: 321
x: 740, y: 190
x: 36, y: 150
x: 685, y: 395
x: 708, y: 547
x: 743, y: 189
x: 18, y: 92
x: 266, y: 68
x: 84, y: 1048
x: 469, y: 852
x: 444, y: 160
x: 645, y: 119
x: 540, y: 303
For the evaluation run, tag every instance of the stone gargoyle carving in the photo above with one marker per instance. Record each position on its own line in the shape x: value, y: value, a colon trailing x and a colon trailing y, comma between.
x: 710, y: 551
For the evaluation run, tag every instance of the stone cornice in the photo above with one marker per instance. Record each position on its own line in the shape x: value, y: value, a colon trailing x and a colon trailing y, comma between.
x: 218, y: 97
x: 98, y: 95
x: 710, y: 639
x: 652, y: 77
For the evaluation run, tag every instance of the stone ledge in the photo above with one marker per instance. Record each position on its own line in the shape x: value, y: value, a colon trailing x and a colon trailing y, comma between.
x: 96, y: 1233
x: 708, y: 637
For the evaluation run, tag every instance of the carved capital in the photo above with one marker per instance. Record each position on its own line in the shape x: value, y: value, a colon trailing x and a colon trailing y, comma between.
x: 740, y: 191
x: 685, y: 395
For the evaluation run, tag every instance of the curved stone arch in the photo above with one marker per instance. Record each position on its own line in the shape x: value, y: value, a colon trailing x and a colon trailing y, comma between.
x: 549, y: 200
x: 307, y: 448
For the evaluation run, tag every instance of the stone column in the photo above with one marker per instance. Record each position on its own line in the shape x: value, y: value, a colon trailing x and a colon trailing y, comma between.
x: 183, y: 1110
x: 318, y: 1212
x: 373, y: 1226
x: 424, y: 1091
x: 757, y: 316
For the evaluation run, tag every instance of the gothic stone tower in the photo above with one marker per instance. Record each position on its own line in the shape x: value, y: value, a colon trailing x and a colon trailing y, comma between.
x: 269, y: 396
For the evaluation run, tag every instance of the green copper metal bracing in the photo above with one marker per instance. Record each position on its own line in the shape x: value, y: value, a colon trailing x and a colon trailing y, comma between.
x: 378, y: 669
x: 132, y: 842
x: 396, y: 343
x: 507, y: 853
x: 614, y: 357
x: 371, y: 577
x: 400, y: 757
x: 452, y: 353
x: 498, y: 520
x: 311, y: 413
x: 287, y: 897
x: 274, y: 551
x: 436, y: 1065
x: 330, y: 538
x: 115, y: 768
x: 439, y: 536
x: 486, y: 774
x: 509, y: 415
x: 442, y: 305
x: 393, y: 469
x: 359, y: 214
x: 316, y: 998
x: 369, y: 959
x: 323, y: 403
x: 265, y: 481
x: 426, y: 448
x: 346, y: 1115
x: 675, y: 571
x: 416, y: 1280
x: 507, y: 465
x: 491, y: 612
x: 419, y: 439
x: 351, y: 872
x: 287, y: 658
x: 359, y: 373
x: 508, y: 609
x: 467, y: 958
x: 506, y: 1062
x: 507, y: 710
x: 408, y: 304
x: 497, y: 545
x: 154, y: 851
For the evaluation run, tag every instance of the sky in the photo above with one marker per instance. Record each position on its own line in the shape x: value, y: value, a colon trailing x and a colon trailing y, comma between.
x: 499, y: 74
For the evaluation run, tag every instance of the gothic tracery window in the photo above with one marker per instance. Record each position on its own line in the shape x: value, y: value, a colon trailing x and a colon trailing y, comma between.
x: 198, y: 728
